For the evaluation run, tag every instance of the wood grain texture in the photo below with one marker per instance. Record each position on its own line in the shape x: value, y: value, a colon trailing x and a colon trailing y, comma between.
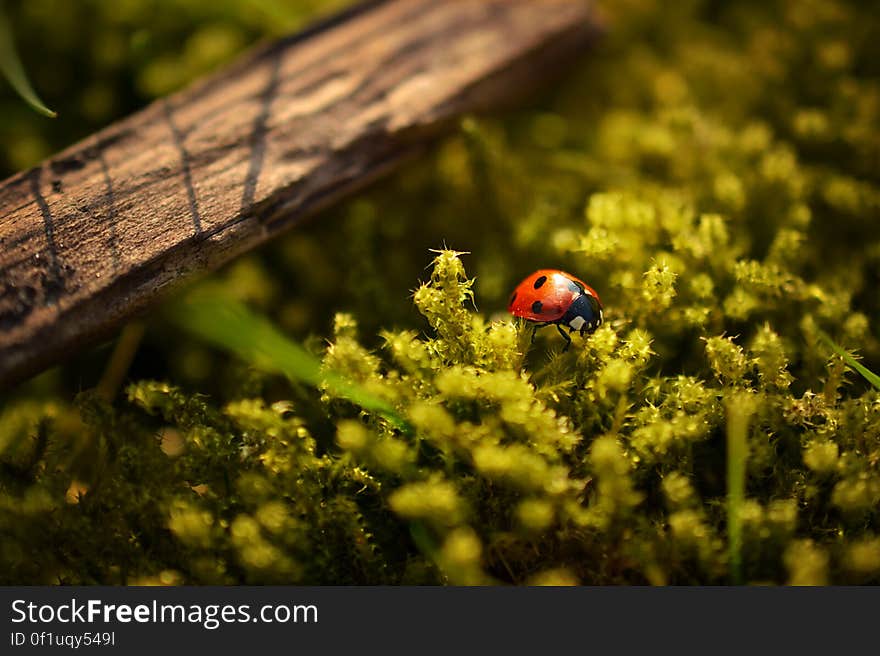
x: 92, y: 235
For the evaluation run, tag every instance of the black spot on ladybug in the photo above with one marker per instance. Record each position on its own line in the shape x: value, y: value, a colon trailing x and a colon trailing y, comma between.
x: 537, y: 306
x: 512, y: 298
x: 540, y: 282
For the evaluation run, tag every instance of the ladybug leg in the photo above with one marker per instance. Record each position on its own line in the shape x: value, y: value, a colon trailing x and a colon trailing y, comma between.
x: 535, y: 327
x: 565, y: 337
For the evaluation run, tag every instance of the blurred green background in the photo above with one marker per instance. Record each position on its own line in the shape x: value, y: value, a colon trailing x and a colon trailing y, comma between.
x: 94, y: 61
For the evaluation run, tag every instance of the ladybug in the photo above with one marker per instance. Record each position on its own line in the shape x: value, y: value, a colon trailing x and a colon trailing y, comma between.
x: 555, y: 297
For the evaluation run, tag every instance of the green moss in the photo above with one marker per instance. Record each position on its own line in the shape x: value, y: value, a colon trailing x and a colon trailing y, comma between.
x: 711, y: 171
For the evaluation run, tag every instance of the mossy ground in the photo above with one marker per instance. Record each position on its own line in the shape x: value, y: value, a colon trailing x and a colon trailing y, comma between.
x: 712, y: 169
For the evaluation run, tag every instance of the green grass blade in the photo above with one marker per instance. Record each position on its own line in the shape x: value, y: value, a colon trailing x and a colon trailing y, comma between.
x: 868, y: 375
x: 231, y: 326
x: 12, y: 70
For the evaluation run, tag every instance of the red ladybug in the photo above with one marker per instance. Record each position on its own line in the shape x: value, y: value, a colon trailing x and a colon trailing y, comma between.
x: 555, y: 297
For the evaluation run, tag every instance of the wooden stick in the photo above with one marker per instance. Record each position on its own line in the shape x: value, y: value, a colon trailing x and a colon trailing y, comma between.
x: 91, y: 236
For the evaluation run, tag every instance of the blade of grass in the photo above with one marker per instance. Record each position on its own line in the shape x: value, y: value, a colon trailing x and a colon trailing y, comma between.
x: 120, y: 361
x: 739, y: 411
x: 866, y: 373
x: 10, y: 66
x: 231, y: 326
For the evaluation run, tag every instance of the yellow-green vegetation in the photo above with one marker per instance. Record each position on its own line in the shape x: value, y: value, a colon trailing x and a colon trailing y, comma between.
x: 712, y: 170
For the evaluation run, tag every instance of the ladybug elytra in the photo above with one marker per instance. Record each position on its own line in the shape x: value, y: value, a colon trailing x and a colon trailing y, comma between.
x: 552, y: 297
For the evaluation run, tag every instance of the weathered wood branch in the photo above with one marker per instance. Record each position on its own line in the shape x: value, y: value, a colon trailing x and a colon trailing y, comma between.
x: 92, y: 235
